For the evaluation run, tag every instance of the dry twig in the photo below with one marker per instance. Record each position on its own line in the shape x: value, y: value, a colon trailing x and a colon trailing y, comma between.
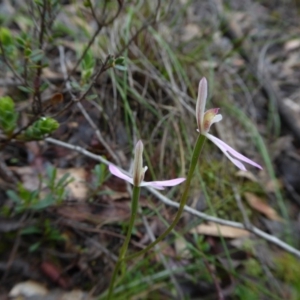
x: 270, y: 238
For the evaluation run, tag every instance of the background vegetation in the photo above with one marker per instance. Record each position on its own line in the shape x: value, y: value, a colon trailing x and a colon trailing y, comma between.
x: 82, y: 81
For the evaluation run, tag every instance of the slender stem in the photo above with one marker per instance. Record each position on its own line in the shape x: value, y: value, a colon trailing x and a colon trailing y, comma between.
x: 134, y: 206
x: 198, y: 147
x: 121, y: 259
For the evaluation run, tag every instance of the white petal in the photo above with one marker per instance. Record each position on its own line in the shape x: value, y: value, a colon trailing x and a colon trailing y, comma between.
x: 216, y: 118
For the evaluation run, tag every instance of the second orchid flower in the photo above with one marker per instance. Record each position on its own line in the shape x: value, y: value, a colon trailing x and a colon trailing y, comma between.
x: 211, y: 116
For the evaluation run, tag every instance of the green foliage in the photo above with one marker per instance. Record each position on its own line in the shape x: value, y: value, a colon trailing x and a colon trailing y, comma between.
x: 34, y: 55
x: 118, y: 63
x: 57, y: 187
x: 202, y: 244
x: 5, y: 37
x: 287, y: 268
x: 8, y: 115
x: 47, y: 234
x: 23, y: 41
x: 40, y: 128
x: 38, y: 2
x: 87, y: 3
x: 25, y: 199
x: 87, y: 66
x: 246, y: 293
x: 100, y: 174
x: 253, y: 267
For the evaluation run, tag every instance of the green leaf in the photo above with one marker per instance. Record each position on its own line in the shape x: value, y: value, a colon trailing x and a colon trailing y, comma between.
x: 34, y: 247
x: 6, y: 37
x: 41, y: 127
x: 64, y: 180
x: 120, y: 61
x: 13, y: 196
x: 6, y: 104
x: 44, y: 203
x: 51, y: 173
x: 31, y: 230
x: 92, y: 97
x: 86, y: 74
x: 88, y: 61
x: 39, y: 2
x: 36, y: 55
x: 26, y: 89
x: 27, y: 52
x: 21, y: 41
x: 75, y: 85
x: 87, y: 3
x: 121, y: 68
x: 44, y: 86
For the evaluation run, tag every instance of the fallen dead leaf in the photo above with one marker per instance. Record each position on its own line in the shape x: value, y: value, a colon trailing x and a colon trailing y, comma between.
x: 247, y: 175
x: 52, y: 75
x: 220, y: 230
x: 272, y: 186
x: 181, y: 248
x: 28, y: 289
x: 29, y: 177
x: 75, y: 295
x: 191, y: 31
x: 292, y: 45
x: 261, y: 206
x: 292, y: 106
x: 77, y: 188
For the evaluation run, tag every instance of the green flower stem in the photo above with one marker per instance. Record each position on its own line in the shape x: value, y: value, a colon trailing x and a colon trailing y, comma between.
x: 197, y: 150
x: 121, y: 259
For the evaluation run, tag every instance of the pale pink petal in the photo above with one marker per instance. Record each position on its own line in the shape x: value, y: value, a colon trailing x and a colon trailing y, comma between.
x: 201, y: 102
x: 235, y: 161
x: 170, y: 182
x: 161, y: 184
x: 150, y: 183
x: 228, y: 150
x: 115, y: 171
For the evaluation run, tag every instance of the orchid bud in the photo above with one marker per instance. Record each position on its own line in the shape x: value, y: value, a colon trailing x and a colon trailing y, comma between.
x: 138, y: 170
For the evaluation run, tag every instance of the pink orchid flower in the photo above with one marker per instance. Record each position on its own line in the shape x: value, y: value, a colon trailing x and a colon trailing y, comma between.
x: 138, y: 174
x: 206, y: 119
